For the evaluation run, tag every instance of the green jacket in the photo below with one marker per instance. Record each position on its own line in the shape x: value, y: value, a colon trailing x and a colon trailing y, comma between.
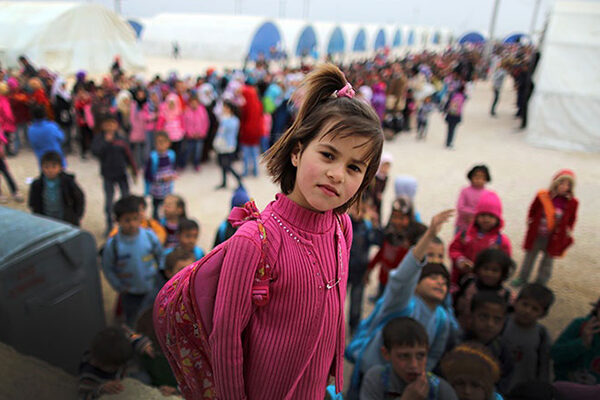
x: 572, y: 360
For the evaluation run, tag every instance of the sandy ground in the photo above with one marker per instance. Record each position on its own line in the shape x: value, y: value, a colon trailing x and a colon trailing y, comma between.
x: 518, y: 171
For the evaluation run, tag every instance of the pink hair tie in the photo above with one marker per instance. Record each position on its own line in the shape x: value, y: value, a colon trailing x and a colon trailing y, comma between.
x: 346, y: 91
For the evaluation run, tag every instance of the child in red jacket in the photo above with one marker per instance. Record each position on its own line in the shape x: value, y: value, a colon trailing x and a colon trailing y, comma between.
x: 483, y: 233
x: 550, y: 223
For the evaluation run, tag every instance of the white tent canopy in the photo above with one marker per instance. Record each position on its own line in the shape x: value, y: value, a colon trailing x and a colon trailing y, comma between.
x: 66, y: 37
x: 565, y: 108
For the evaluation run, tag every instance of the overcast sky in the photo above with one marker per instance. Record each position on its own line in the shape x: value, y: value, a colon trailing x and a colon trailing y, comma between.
x: 457, y: 15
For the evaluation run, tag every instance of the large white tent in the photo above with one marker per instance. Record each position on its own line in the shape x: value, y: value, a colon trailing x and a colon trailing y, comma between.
x: 66, y: 37
x: 565, y: 109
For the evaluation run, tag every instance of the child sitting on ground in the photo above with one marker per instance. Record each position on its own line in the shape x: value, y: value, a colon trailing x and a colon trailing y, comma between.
x: 405, y: 348
x: 528, y: 341
x: 484, y: 232
x: 147, y: 223
x: 472, y: 370
x: 160, y: 172
x: 550, y: 224
x: 174, y: 213
x: 188, y: 233
x: 131, y: 258
x: 491, y: 270
x: 55, y: 193
x: 416, y: 289
x: 104, y: 365
x: 469, y: 196
x: 488, y: 315
x: 576, y: 352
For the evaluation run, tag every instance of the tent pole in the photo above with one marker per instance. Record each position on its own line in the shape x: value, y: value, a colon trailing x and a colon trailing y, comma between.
x: 490, y: 43
x: 536, y: 11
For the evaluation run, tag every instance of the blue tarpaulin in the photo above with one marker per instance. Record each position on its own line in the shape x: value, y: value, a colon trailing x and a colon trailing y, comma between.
x: 411, y: 38
x: 137, y: 27
x: 471, y: 37
x: 360, y: 43
x: 307, y: 43
x: 380, y: 40
x: 267, y: 37
x: 437, y: 38
x: 397, y: 39
x: 337, y: 42
x: 514, y: 38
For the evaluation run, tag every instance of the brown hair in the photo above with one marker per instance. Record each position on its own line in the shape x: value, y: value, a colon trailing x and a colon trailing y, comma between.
x: 321, y: 110
x: 178, y: 254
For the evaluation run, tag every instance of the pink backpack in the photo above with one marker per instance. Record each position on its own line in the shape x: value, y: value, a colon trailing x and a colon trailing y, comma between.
x: 183, y: 321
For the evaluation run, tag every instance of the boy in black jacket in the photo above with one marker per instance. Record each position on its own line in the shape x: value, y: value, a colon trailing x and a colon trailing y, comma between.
x: 114, y: 155
x: 55, y: 193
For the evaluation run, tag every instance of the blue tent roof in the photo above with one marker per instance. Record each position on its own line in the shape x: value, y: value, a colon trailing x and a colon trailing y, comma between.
x: 360, y: 43
x: 397, y: 38
x: 514, y: 38
x: 471, y: 37
x: 337, y: 42
x: 307, y: 43
x: 265, y: 38
x: 411, y: 38
x: 380, y: 40
x: 137, y: 27
x: 437, y: 38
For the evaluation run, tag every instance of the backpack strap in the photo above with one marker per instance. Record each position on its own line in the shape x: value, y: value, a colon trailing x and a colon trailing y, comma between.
x: 434, y: 386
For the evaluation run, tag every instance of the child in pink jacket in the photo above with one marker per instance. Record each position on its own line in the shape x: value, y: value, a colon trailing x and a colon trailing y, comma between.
x: 170, y: 120
x: 195, y: 125
x: 469, y: 196
x: 484, y: 232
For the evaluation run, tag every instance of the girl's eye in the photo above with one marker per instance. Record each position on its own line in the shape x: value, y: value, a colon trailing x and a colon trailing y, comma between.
x: 327, y: 155
x: 354, y: 168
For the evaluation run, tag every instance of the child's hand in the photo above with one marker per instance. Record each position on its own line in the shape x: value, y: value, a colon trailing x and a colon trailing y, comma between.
x: 438, y: 221
x: 418, y: 390
x: 148, y: 349
x: 112, y: 387
x: 591, y: 327
x: 464, y: 264
x: 168, y: 390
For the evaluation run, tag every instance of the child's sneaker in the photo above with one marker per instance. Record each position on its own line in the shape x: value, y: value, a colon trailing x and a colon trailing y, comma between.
x: 517, y: 282
x: 18, y: 197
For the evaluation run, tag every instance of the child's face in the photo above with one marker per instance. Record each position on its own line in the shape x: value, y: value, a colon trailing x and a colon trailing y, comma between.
x: 188, y: 239
x: 142, y: 212
x: 433, y: 288
x: 109, y: 127
x: 170, y: 207
x: 527, y: 311
x: 179, y: 265
x: 408, y: 362
x: 563, y: 187
x: 384, y: 169
x: 435, y: 253
x: 487, y: 321
x: 51, y: 169
x: 329, y: 171
x: 490, y: 274
x: 478, y: 180
x: 129, y: 223
x: 399, y: 221
x: 468, y: 388
x: 162, y: 144
x: 486, y: 222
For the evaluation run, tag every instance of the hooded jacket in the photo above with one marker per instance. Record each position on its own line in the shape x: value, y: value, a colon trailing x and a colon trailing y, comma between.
x: 251, y: 121
x: 467, y: 244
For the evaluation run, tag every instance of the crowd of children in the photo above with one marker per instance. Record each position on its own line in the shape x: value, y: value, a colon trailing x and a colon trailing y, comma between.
x: 433, y: 333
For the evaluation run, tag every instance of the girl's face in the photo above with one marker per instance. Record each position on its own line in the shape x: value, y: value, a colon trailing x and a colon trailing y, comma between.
x: 490, y: 274
x: 468, y: 388
x: 563, y: 187
x: 399, y: 221
x: 329, y: 171
x: 486, y: 222
x: 478, y: 180
x: 170, y: 207
x: 162, y: 144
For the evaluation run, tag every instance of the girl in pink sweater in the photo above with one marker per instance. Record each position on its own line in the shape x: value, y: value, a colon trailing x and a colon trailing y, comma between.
x: 195, y: 125
x: 469, y: 196
x: 288, y: 346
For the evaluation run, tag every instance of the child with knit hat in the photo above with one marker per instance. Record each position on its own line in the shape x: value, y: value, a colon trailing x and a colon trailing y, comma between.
x: 472, y: 371
x: 484, y: 232
x: 550, y: 224
x: 225, y: 229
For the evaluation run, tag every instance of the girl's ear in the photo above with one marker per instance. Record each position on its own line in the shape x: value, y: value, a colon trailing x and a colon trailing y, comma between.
x: 296, y: 153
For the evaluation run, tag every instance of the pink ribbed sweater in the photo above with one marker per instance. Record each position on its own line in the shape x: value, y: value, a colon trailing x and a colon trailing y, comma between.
x: 288, y: 348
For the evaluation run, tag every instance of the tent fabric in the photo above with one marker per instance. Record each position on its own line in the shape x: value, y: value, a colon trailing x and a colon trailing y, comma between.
x: 411, y: 38
x: 307, y: 43
x: 513, y: 38
x: 360, y: 41
x: 337, y: 42
x: 565, y: 107
x: 266, y: 38
x: 471, y: 37
x: 67, y: 37
x: 380, y: 41
x: 137, y: 27
x: 397, y: 42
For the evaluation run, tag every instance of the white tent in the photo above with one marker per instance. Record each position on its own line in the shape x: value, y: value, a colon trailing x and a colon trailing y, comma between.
x: 207, y: 37
x: 565, y: 109
x: 66, y: 37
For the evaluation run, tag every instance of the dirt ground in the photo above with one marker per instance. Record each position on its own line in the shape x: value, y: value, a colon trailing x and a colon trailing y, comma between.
x: 518, y: 172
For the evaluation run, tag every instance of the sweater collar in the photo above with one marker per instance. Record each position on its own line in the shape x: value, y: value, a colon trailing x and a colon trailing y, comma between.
x: 300, y: 217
